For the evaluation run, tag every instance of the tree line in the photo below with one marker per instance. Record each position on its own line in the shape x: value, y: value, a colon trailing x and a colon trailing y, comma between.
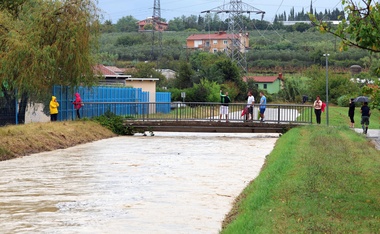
x: 213, y: 22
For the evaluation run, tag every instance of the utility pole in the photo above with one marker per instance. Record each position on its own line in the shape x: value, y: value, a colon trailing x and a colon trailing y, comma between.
x: 236, y: 28
x: 156, y: 20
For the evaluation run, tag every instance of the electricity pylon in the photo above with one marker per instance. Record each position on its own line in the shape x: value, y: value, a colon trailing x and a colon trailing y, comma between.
x: 236, y: 9
x: 156, y: 19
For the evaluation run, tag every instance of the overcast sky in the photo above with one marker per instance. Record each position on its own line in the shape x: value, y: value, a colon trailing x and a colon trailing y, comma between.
x: 141, y: 9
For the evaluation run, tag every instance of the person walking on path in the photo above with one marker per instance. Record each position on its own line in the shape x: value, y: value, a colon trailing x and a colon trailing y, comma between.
x: 263, y: 103
x: 366, y: 113
x: 318, y: 109
x: 77, y: 104
x: 351, y: 113
x: 250, y: 105
x: 224, y: 99
x: 53, y: 109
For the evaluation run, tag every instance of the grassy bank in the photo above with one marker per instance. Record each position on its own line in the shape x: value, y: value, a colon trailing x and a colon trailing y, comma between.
x: 338, y: 116
x: 316, y: 180
x: 20, y: 140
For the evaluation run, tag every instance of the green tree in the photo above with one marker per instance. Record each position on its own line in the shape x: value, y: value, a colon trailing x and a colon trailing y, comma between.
x: 176, y: 24
x: 45, y: 43
x: 148, y: 70
x: 361, y: 28
x: 127, y: 24
x: 107, y: 27
x: 184, y: 77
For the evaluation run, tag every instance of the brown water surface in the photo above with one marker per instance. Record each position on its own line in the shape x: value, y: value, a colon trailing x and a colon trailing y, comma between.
x: 169, y: 183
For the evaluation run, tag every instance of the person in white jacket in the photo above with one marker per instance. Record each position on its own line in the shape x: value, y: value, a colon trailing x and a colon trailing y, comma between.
x: 250, y: 105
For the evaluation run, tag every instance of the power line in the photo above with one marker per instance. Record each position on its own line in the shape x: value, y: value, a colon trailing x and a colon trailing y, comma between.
x: 236, y: 29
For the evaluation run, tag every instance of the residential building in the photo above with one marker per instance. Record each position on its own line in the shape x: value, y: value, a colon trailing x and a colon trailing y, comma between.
x: 271, y: 84
x: 115, y: 76
x: 112, y: 75
x: 218, y: 42
x: 160, y: 26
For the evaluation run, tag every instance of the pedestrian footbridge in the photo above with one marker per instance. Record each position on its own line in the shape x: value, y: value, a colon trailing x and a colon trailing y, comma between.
x: 205, y: 117
x: 202, y: 116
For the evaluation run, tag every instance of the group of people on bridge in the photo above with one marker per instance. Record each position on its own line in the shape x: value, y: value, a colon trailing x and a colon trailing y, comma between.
x: 248, y: 110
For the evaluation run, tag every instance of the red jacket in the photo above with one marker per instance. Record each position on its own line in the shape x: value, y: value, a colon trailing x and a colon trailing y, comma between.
x: 323, y: 106
x: 78, y: 102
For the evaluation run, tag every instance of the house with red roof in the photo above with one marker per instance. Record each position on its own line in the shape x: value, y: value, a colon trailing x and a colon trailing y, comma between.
x: 111, y: 74
x: 218, y: 42
x: 160, y: 26
x: 271, y: 84
x: 115, y: 76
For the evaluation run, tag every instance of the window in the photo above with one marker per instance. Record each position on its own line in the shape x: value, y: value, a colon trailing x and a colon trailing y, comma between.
x: 207, y: 43
x: 265, y: 86
x: 215, y: 42
x: 215, y: 50
x: 225, y: 42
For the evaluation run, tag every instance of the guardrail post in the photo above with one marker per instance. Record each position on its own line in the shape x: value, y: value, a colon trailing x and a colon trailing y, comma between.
x: 278, y: 114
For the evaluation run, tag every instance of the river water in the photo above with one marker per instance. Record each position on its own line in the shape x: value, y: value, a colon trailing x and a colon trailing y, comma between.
x: 168, y: 183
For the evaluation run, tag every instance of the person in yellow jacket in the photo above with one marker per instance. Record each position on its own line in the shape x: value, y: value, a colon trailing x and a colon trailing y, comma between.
x: 53, y: 108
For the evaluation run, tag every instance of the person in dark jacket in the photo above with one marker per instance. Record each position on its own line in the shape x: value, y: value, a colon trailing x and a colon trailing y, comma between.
x: 366, y: 113
x: 351, y: 113
x: 77, y: 104
x: 224, y: 99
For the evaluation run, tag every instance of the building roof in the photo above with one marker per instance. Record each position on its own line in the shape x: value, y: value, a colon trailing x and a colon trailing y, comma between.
x: 109, y: 71
x: 116, y: 70
x: 142, y: 79
x: 262, y: 79
x: 214, y: 36
x: 143, y: 22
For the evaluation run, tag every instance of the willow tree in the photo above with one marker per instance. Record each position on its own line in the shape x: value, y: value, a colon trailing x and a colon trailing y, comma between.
x: 45, y: 43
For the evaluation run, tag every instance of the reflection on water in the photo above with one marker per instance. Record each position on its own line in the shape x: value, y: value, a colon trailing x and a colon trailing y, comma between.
x: 169, y: 183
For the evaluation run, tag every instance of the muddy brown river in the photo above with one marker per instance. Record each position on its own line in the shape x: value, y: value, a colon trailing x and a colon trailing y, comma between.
x: 169, y: 183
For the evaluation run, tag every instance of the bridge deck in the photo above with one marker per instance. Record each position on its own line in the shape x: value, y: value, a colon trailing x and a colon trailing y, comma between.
x: 209, y: 126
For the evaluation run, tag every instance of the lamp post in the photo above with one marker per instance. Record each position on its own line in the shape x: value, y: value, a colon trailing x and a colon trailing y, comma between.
x: 327, y: 88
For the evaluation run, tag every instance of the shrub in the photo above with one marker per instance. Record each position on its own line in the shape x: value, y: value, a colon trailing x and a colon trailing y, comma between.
x: 113, y: 122
x: 344, y: 100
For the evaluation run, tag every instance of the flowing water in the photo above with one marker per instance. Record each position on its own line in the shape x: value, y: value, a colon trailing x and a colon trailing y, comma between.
x: 169, y: 183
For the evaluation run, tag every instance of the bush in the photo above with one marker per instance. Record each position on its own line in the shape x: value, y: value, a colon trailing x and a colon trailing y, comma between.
x: 344, y: 100
x: 113, y: 122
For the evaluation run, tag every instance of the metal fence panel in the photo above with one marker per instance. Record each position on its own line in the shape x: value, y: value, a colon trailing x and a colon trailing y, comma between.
x: 102, y: 96
x: 163, y: 102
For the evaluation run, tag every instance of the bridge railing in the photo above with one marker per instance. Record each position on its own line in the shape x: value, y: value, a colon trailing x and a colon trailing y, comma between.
x: 198, y: 111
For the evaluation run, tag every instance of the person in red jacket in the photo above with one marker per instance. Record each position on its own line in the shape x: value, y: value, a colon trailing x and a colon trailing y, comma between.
x: 77, y: 104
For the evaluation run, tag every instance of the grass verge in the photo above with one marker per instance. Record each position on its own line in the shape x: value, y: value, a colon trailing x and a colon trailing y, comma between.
x: 316, y: 180
x: 338, y: 116
x: 21, y: 140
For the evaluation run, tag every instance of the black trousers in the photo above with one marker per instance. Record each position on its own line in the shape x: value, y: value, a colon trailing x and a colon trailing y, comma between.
x: 78, y: 114
x: 53, y: 117
x: 318, y: 115
x: 352, y: 118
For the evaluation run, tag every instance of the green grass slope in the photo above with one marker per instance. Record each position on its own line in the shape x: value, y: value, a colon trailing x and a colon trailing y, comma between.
x: 316, y: 180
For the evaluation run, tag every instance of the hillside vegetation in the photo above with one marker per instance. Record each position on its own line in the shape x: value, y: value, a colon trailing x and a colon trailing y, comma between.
x: 271, y: 50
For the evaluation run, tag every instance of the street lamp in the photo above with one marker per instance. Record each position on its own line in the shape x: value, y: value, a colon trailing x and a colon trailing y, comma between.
x: 327, y: 88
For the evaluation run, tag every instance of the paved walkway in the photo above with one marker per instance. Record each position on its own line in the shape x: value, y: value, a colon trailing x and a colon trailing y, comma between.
x: 373, y: 134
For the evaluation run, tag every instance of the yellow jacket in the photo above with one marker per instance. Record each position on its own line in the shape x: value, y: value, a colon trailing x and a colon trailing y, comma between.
x: 54, y: 105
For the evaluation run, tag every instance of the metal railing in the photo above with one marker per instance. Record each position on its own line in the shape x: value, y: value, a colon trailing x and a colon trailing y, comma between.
x: 198, y: 111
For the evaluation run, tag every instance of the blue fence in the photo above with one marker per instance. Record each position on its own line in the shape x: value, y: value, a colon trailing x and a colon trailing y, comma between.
x: 116, y: 95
